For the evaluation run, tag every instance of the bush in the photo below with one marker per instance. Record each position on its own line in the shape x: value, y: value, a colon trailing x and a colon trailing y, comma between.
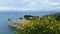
x: 45, y: 25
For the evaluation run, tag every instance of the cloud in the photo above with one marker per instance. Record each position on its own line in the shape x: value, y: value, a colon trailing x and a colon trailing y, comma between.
x: 3, y: 8
x: 28, y: 5
x: 55, y: 3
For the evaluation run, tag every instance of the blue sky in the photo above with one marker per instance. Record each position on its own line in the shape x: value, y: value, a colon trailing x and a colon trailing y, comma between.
x: 29, y: 5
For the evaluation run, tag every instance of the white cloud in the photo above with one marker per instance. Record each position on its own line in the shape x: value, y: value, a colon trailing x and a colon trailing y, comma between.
x: 6, y: 8
x: 55, y: 3
x: 25, y: 5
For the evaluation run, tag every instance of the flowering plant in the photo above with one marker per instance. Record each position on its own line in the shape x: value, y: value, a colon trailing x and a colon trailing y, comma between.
x: 43, y: 25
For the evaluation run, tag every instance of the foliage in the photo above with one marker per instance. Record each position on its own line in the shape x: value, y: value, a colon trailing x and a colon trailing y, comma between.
x: 27, y: 17
x: 43, y: 25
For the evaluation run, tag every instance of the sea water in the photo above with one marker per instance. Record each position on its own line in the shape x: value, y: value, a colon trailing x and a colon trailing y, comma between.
x: 5, y: 29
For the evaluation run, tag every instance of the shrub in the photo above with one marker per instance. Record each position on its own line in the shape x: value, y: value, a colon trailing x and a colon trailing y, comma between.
x: 45, y: 25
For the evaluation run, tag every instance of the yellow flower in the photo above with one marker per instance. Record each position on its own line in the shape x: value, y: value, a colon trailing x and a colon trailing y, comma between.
x: 51, y: 28
x: 32, y: 27
x: 59, y: 28
x: 44, y: 30
x: 47, y: 27
x: 48, y: 17
x: 52, y: 22
x: 46, y: 20
x: 55, y: 20
x: 35, y: 25
x: 23, y: 24
x: 31, y: 24
x: 38, y: 19
x: 28, y: 30
x: 54, y: 26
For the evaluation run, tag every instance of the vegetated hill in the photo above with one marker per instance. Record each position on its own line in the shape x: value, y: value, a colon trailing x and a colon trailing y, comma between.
x: 57, y: 16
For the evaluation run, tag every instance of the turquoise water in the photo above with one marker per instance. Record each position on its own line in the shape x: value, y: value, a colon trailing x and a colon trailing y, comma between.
x: 5, y: 29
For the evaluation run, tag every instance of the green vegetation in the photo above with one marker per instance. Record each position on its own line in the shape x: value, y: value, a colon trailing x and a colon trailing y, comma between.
x: 48, y: 24
x: 28, y: 17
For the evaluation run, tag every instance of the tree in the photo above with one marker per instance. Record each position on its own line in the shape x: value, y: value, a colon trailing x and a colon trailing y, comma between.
x: 28, y: 17
x: 21, y: 18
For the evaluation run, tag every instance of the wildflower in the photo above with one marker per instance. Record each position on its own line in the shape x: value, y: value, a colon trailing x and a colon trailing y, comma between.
x: 32, y: 27
x: 54, y: 26
x: 35, y: 25
x: 38, y: 19
x: 47, y: 27
x: 51, y: 28
x: 46, y: 20
x: 44, y: 30
x: 55, y: 20
x: 59, y: 28
x: 48, y: 17
x: 23, y: 24
x: 52, y: 22
x: 28, y: 30
x: 31, y: 24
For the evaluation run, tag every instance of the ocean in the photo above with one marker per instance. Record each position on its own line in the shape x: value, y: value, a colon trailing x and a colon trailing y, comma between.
x: 5, y: 29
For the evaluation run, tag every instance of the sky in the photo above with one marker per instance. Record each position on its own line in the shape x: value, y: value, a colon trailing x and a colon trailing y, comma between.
x: 29, y: 5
